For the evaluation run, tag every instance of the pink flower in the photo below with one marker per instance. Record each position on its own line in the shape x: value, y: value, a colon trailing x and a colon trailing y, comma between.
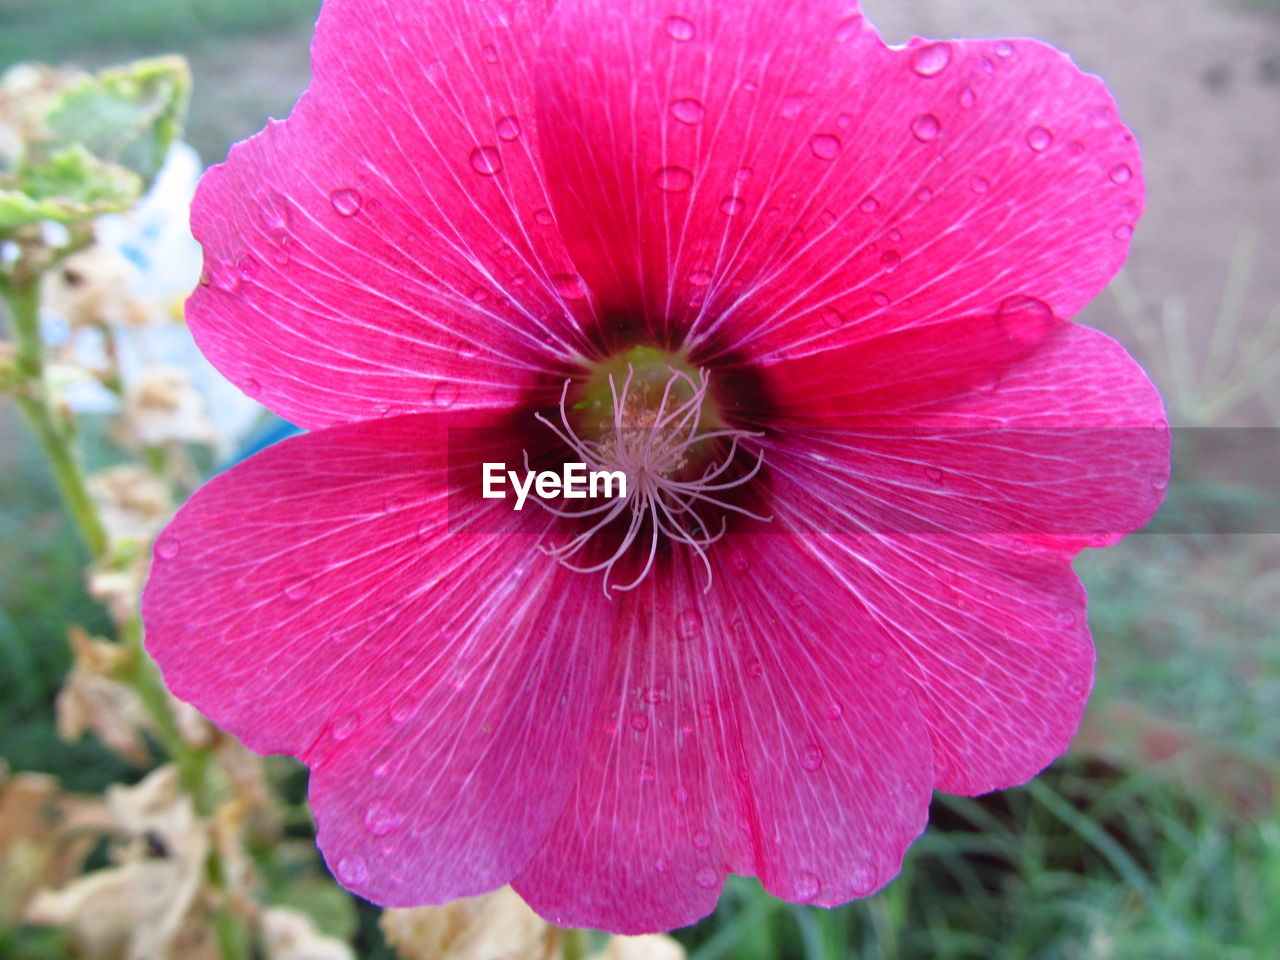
x: 487, y: 229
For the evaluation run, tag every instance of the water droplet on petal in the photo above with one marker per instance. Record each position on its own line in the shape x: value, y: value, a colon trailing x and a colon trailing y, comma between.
x: 382, y: 818
x: 925, y: 127
x: 404, y: 708
x: 979, y: 184
x: 931, y: 59
x: 889, y: 260
x: 1004, y: 49
x: 869, y: 204
x: 1120, y: 173
x: 738, y: 561
x: 673, y: 179
x: 1159, y: 481
x: 755, y: 669
x: 877, y: 658
x: 298, y: 588
x: 968, y: 97
x: 570, y: 286
x: 346, y: 202
x: 702, y: 840
x: 352, y: 871
x: 880, y: 298
x: 679, y: 29
x: 507, y: 128
x: 662, y: 864
x: 706, y: 877
x: 848, y: 28
x: 825, y: 146
x: 688, y: 110
x: 490, y: 53
x: 639, y: 721
x: 274, y: 213
x: 793, y: 104
x: 807, y: 887
x: 654, y: 695
x: 700, y: 278
x: 345, y: 726
x: 1039, y: 139
x: 811, y: 757
x: 924, y: 195
x: 1025, y: 320
x: 831, y: 317
x: 1123, y: 232
x: 690, y: 626
x: 731, y: 206
x: 486, y: 160
x: 934, y: 474
x: 834, y: 711
x: 445, y: 394
x: 168, y: 547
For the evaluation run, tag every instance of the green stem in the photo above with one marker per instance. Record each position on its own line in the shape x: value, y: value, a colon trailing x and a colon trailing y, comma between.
x: 22, y: 296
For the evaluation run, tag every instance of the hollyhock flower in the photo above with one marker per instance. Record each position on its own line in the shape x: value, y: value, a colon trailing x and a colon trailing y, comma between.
x: 808, y: 292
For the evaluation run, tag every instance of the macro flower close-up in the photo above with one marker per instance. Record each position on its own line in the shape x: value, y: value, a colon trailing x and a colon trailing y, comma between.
x: 808, y: 293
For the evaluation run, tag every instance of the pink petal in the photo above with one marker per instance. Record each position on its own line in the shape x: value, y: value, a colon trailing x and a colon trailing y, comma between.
x: 755, y: 729
x: 388, y: 248
x: 787, y: 185
x: 984, y: 613
x: 313, y: 600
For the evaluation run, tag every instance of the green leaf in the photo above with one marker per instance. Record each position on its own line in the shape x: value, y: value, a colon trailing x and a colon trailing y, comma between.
x: 127, y: 115
x: 70, y: 185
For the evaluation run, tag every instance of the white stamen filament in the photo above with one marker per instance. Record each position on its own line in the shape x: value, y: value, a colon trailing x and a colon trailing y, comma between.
x: 651, y: 447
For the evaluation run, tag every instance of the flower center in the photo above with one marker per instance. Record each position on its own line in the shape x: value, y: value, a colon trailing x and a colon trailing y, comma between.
x: 651, y: 416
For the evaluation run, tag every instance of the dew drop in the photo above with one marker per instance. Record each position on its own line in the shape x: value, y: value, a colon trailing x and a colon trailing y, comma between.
x: 1159, y: 481
x: 889, y: 260
x: 848, y: 28
x: 298, y: 588
x: 1025, y: 320
x: 1077, y: 690
x: 700, y: 278
x: 382, y: 818
x: 702, y: 840
x: 168, y: 547
x: 931, y: 59
x: 706, y: 878
x: 1004, y: 49
x: 662, y: 865
x: 895, y: 235
x: 1067, y: 617
x: 486, y: 160
x: 689, y: 626
x: 755, y: 669
x: 807, y: 887
x: 570, y: 286
x: 673, y: 179
x: 346, y: 202
x: 869, y: 204
x: 731, y: 206
x: 811, y: 757
x: 679, y: 29
x: 680, y: 795
x: 925, y: 127
x: 880, y: 298
x: 404, y: 708
x: 543, y: 216
x: 831, y: 317
x: 924, y: 195
x: 825, y: 146
x: 877, y: 658
x: 934, y: 474
x: 490, y: 53
x: 1120, y: 173
x: 508, y: 128
x: 274, y: 213
x: 706, y: 709
x: 250, y: 387
x: 834, y: 711
x: 1039, y: 139
x: 1123, y: 232
x: 688, y: 110
x: 345, y: 726
x: 968, y: 97
x: 352, y: 871
x: 738, y: 561
x: 639, y: 722
x: 445, y: 394
x: 654, y: 695
x: 792, y: 104
x: 979, y: 184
